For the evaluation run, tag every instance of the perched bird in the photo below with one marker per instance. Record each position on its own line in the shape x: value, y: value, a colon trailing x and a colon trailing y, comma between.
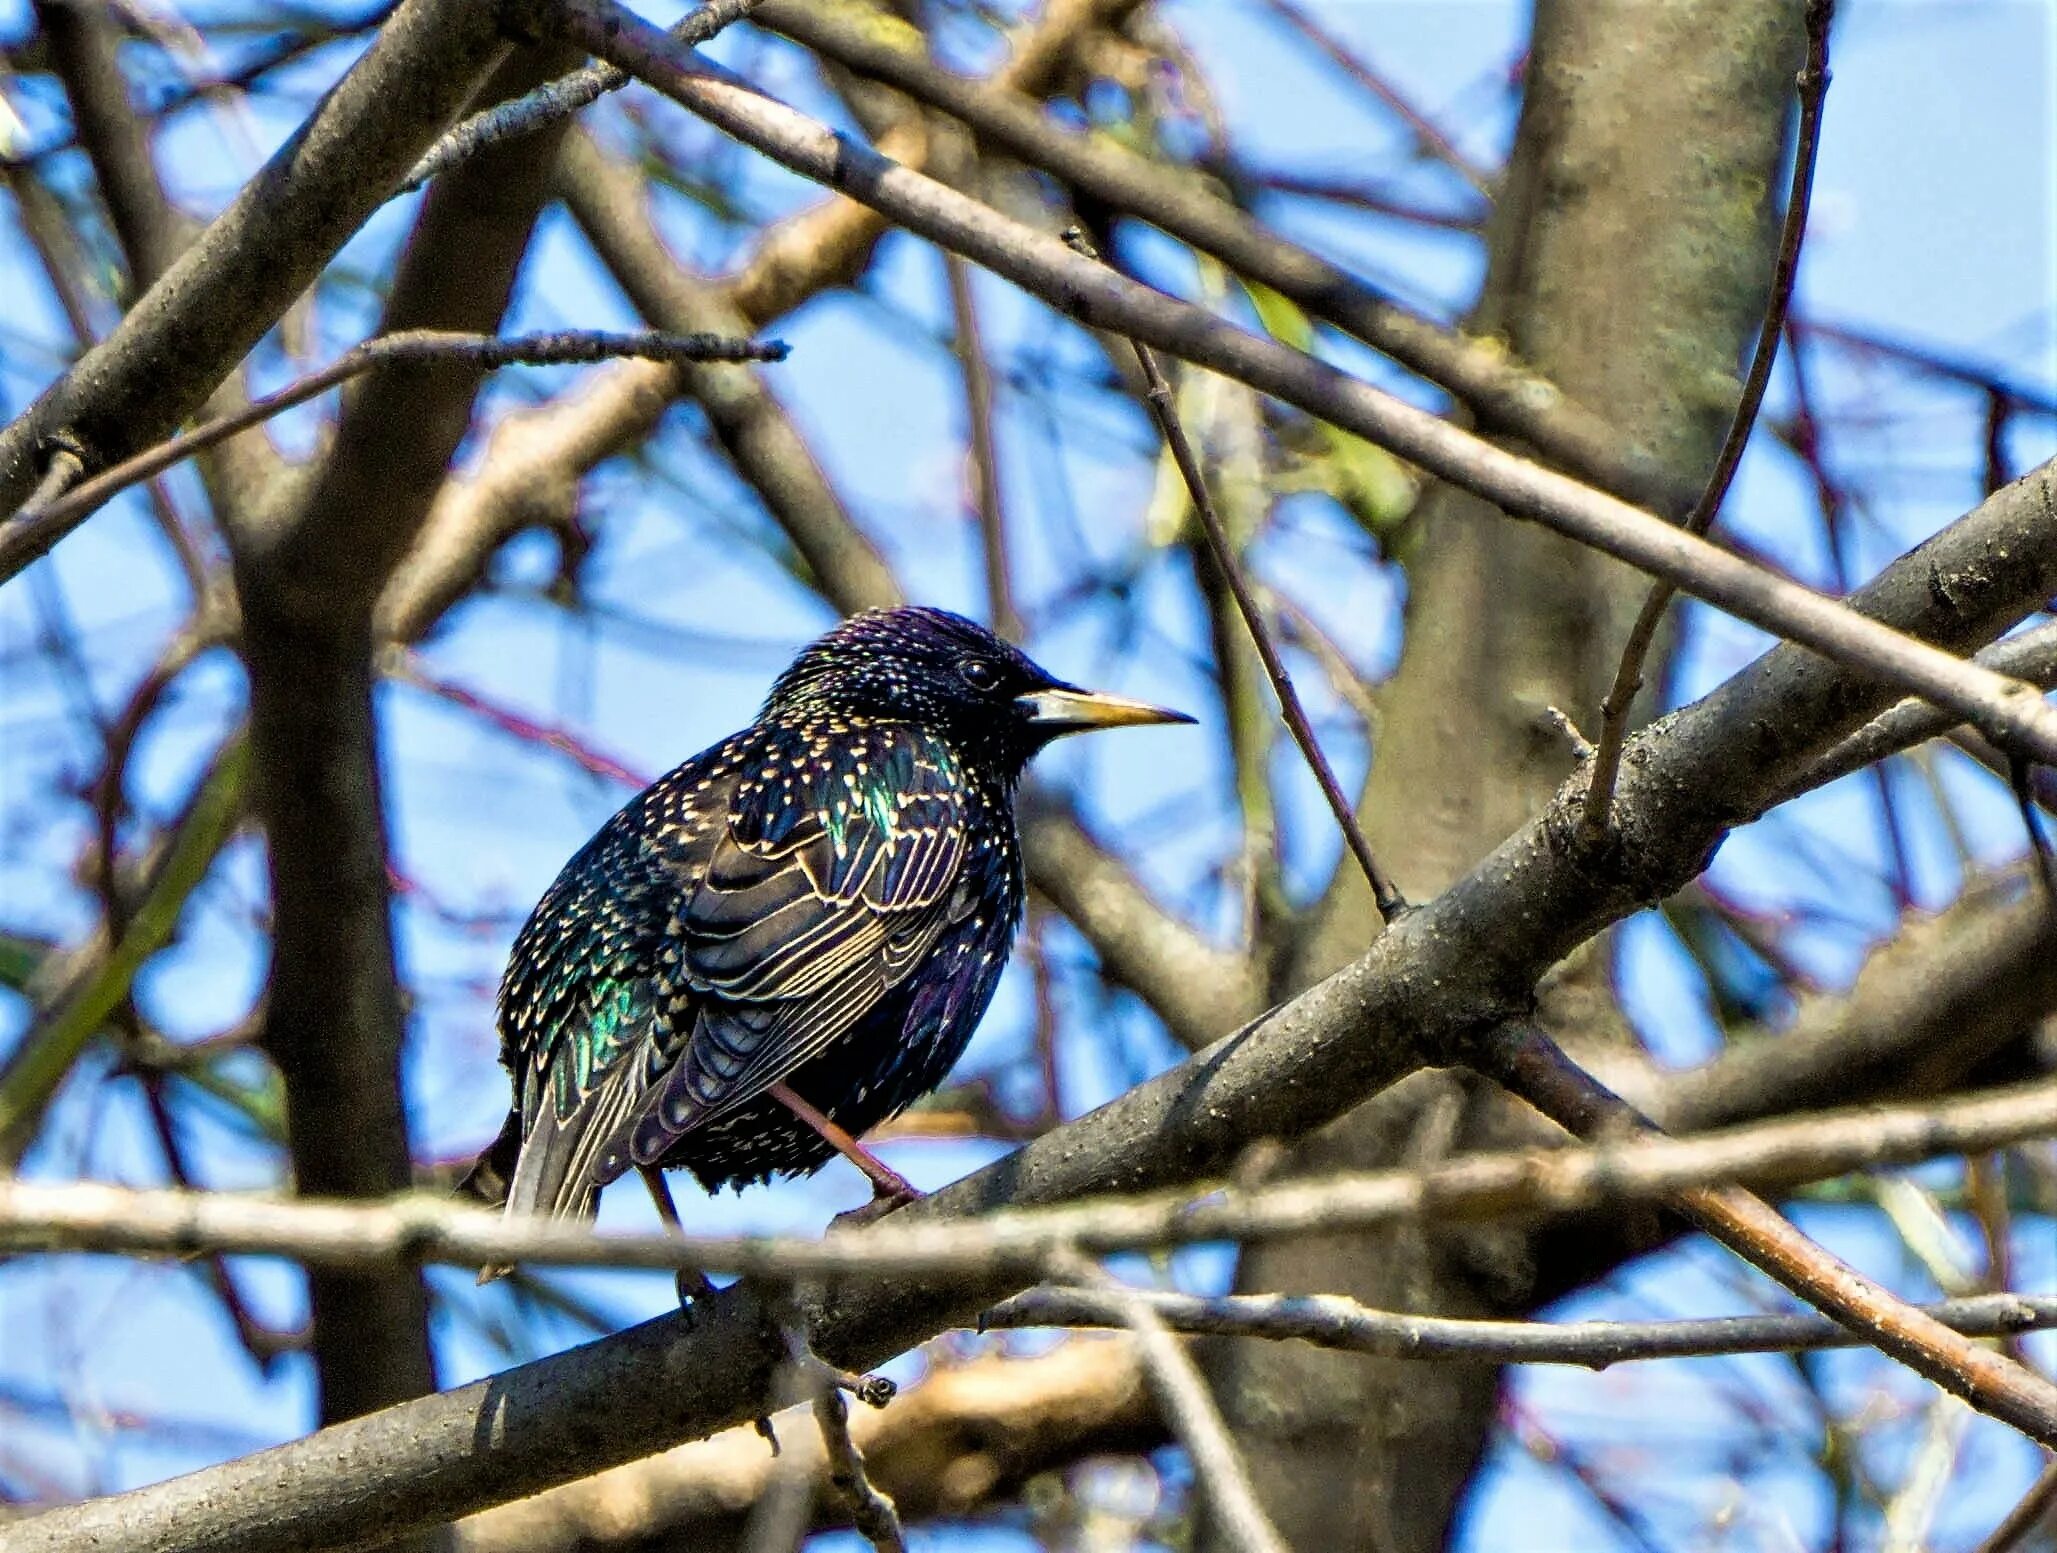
x: 790, y: 937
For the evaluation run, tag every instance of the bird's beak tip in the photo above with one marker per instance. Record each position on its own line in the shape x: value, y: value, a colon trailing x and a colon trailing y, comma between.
x: 1063, y: 710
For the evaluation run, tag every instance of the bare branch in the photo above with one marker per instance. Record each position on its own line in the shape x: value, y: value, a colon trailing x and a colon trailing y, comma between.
x: 1528, y: 1063
x: 41, y: 524
x: 1181, y: 1391
x: 1503, y: 395
x: 1331, y: 1321
x: 2006, y: 710
x: 85, y: 1216
x: 558, y: 100
x: 221, y: 295
x: 2031, y: 656
x: 871, y: 1512
x: 1628, y: 675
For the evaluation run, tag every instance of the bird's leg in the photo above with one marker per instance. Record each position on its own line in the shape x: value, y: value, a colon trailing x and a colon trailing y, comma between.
x: 691, y: 1283
x: 889, y: 1189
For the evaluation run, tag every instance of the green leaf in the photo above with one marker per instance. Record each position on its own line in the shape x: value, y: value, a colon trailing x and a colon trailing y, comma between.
x: 1373, y: 486
x: 39, y: 1065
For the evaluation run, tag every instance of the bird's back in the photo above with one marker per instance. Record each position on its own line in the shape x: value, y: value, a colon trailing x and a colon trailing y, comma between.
x: 826, y: 906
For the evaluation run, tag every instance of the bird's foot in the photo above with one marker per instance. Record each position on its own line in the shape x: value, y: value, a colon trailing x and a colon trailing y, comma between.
x: 889, y: 1189
x: 693, y: 1290
x: 883, y: 1201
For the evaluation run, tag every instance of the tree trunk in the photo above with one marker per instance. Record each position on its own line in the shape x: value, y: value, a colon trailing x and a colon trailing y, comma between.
x: 1630, y: 256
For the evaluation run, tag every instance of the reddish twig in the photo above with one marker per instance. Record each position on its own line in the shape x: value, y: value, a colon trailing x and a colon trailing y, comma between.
x: 1527, y: 1063
x: 1832, y: 501
x: 1628, y: 676
x: 408, y: 669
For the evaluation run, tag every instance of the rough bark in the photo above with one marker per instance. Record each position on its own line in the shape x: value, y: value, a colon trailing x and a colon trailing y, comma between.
x: 1629, y: 258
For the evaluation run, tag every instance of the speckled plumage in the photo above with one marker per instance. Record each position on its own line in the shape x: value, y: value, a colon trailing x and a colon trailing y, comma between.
x: 826, y: 898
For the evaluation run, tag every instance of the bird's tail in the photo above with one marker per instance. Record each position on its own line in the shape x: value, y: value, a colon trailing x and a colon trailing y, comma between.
x: 487, y: 1182
x: 547, y: 1172
x: 527, y: 1175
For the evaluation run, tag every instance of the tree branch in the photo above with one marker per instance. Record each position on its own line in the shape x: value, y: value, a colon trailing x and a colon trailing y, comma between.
x: 1453, y: 967
x: 2007, y: 711
x: 1529, y: 1064
x: 1541, y: 1182
x: 1330, y: 1321
x: 1503, y: 395
x: 221, y: 295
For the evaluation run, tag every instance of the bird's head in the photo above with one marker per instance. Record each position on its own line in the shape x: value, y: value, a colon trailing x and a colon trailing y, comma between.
x: 941, y: 671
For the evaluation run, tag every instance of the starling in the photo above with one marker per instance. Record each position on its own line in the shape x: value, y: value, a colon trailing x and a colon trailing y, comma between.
x: 791, y: 937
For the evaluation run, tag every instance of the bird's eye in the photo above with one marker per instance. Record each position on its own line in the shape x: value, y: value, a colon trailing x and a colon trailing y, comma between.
x: 978, y: 673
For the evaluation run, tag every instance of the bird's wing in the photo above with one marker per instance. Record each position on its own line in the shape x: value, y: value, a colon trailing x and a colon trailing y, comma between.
x: 581, y: 1002
x: 841, y: 866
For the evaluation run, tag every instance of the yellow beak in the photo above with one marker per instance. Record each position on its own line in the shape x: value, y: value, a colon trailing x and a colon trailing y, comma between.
x: 1061, y: 710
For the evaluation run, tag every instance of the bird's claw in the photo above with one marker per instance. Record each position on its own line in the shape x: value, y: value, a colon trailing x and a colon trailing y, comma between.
x: 881, y: 1204
x: 693, y: 1288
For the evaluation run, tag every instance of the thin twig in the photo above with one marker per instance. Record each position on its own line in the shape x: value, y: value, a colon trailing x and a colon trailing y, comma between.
x: 2015, y: 1526
x: 31, y: 532
x: 1331, y: 1321
x: 90, y: 1216
x: 1524, y: 1060
x: 985, y: 451
x: 2019, y: 774
x: 558, y: 99
x: 1188, y: 1407
x: 1163, y: 406
x: 872, y: 1510
x: 1426, y: 135
x: 1812, y: 84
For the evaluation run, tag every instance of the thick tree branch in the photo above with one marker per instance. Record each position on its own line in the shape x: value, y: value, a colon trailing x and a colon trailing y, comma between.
x: 1502, y: 394
x: 1455, y: 966
x: 2011, y: 713
x: 221, y: 295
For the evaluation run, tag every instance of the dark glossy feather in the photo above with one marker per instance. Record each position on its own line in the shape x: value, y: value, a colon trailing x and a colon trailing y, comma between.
x: 825, y: 899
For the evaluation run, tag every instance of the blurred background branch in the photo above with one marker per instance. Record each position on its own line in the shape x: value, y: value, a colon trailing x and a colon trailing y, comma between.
x: 291, y: 737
